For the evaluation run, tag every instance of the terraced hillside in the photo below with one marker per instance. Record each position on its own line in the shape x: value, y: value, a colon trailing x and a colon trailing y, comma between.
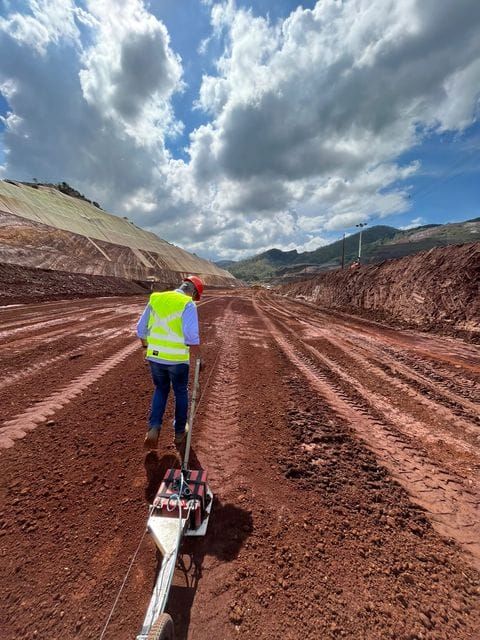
x: 41, y: 227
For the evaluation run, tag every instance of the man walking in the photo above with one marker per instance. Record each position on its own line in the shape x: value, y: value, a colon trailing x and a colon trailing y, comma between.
x: 168, y: 329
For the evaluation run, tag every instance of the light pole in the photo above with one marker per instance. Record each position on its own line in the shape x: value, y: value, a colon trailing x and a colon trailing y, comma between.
x: 361, y: 225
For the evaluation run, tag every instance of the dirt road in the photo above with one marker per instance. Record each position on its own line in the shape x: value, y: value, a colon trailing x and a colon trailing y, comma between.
x: 344, y: 457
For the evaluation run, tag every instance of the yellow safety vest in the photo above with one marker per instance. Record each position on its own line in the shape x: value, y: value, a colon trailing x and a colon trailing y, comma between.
x: 165, y: 339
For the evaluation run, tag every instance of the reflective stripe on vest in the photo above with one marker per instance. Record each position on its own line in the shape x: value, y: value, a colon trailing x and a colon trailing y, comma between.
x: 165, y: 339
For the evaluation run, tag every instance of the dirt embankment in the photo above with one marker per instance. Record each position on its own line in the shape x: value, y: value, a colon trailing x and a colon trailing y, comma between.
x: 31, y: 244
x: 436, y: 290
x: 22, y: 284
x: 44, y: 228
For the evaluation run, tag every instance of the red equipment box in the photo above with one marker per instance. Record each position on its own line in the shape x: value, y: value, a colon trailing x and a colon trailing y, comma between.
x: 193, y: 499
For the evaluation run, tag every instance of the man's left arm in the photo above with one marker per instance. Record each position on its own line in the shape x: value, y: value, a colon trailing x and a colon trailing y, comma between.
x: 190, y: 329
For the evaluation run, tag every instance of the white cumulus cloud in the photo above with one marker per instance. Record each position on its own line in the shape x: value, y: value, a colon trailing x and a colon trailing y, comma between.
x: 305, y: 118
x: 130, y: 72
x: 49, y: 21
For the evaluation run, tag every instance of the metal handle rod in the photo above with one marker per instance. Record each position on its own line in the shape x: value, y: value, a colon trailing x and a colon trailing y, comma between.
x: 192, y: 413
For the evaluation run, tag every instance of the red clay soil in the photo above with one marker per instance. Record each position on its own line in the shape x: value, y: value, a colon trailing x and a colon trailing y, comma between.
x: 436, y: 290
x: 343, y: 457
x: 23, y: 284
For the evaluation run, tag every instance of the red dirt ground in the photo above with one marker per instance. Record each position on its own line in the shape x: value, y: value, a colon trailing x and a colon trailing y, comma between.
x: 343, y: 456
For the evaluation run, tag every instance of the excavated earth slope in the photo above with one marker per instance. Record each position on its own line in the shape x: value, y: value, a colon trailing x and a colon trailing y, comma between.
x: 22, y: 284
x: 436, y: 289
x: 44, y: 228
x: 343, y: 456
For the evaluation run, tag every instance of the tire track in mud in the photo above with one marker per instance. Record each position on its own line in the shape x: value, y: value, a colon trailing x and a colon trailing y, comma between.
x: 21, y: 424
x: 399, y: 409
x: 45, y: 308
x: 27, y: 324
x: 26, y: 317
x: 415, y: 410
x: 457, y: 404
x: 442, y: 351
x: 389, y: 361
x: 464, y: 386
x: 26, y: 327
x: 75, y: 341
x: 39, y: 355
x: 220, y: 437
x: 77, y: 326
x: 472, y: 429
x: 45, y: 366
x: 449, y: 351
x: 453, y: 508
x: 69, y: 354
x: 392, y: 361
x: 401, y: 396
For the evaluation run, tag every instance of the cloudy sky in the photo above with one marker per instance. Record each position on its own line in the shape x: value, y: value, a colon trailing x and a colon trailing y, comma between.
x: 232, y: 127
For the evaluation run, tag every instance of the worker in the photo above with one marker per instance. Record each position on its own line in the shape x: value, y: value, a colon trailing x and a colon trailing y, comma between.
x: 355, y: 265
x: 168, y: 330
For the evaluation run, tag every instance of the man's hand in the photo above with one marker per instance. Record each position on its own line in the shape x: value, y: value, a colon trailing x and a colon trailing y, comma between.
x: 196, y: 354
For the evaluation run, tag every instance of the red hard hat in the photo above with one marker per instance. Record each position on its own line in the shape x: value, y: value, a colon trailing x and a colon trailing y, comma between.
x: 198, y: 284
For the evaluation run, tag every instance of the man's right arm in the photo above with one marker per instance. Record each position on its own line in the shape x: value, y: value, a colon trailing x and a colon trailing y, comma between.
x: 142, y: 326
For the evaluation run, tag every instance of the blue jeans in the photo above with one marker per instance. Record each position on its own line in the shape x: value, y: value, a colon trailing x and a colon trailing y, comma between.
x: 163, y: 376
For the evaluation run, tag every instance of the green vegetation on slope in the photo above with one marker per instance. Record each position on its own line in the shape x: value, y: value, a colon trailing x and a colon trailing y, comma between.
x: 63, y: 187
x: 379, y: 243
x: 275, y: 262
x: 333, y: 252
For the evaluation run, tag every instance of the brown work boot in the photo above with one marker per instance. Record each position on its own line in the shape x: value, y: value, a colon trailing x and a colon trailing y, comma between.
x: 151, y: 439
x: 180, y: 437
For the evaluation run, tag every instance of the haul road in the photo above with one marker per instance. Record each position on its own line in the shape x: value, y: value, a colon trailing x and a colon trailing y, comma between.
x: 343, y: 456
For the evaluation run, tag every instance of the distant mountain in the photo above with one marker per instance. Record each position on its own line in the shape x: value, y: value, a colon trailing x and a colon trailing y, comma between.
x: 426, y: 237
x: 224, y: 264
x: 332, y: 253
x: 275, y: 262
x: 379, y: 243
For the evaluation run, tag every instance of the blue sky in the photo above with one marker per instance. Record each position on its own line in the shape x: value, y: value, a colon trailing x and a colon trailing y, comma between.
x: 233, y: 127
x: 447, y: 187
x: 186, y: 42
